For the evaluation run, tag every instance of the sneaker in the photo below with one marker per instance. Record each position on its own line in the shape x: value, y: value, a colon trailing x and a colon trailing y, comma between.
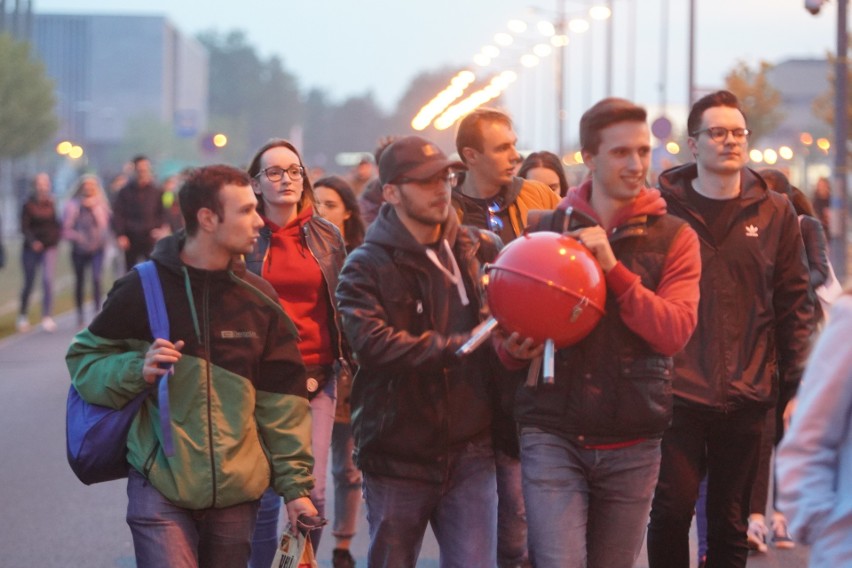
x: 756, y: 536
x: 780, y: 535
x: 340, y: 558
x: 48, y: 324
x: 23, y: 324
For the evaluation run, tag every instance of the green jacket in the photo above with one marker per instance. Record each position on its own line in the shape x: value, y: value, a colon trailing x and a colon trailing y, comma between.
x: 240, y: 416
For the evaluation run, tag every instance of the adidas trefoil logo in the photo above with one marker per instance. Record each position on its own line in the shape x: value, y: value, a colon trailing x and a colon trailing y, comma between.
x: 751, y: 231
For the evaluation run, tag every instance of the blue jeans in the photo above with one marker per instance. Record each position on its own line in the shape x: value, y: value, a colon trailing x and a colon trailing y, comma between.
x: 586, y: 507
x: 167, y: 536
x: 347, y: 482
x: 265, y: 538
x: 31, y: 260
x: 462, y: 512
x: 511, y: 514
x: 80, y: 262
x: 726, y: 446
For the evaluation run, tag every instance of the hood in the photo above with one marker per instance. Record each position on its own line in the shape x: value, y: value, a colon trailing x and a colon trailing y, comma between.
x: 648, y: 202
x: 674, y: 182
x: 167, y: 251
x: 387, y: 230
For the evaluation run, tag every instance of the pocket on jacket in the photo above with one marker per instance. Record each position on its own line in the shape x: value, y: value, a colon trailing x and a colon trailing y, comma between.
x: 644, y: 394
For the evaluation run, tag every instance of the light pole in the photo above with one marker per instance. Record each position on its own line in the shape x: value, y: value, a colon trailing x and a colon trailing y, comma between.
x: 841, y: 143
x: 690, y: 96
x: 560, y: 80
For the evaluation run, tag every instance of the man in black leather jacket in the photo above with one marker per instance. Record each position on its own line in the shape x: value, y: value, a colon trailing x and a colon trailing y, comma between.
x: 409, y: 298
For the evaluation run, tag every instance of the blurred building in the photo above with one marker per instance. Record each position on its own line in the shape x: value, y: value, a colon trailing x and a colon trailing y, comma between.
x: 800, y: 82
x: 110, y: 71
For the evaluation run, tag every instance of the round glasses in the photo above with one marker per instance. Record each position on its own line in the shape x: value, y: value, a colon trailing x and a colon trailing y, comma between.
x: 720, y: 133
x: 276, y: 174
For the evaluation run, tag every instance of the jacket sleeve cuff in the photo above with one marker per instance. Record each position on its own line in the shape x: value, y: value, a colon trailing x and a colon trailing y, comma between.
x: 620, y: 279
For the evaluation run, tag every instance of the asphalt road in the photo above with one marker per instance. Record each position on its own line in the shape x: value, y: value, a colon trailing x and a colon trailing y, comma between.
x: 49, y: 519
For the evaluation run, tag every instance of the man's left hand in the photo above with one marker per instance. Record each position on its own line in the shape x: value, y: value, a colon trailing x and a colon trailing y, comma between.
x: 522, y: 349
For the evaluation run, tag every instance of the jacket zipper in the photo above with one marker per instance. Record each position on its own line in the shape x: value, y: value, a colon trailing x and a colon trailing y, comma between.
x: 206, y: 335
x: 330, y: 293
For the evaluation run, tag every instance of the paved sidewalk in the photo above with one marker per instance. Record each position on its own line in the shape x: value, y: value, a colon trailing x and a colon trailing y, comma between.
x: 49, y: 519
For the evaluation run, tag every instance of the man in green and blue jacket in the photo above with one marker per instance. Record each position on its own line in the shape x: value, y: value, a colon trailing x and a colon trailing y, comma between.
x: 240, y: 418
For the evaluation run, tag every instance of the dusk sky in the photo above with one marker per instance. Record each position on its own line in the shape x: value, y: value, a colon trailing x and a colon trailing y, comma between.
x: 351, y: 48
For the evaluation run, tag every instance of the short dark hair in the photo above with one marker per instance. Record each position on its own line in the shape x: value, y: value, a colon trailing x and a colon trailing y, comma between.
x: 139, y: 158
x: 717, y: 99
x: 201, y: 190
x: 469, y: 134
x: 353, y: 227
x: 549, y: 160
x: 603, y: 114
x: 254, y: 169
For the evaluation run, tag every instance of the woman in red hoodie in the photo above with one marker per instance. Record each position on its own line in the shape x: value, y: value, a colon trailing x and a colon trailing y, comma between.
x: 301, y: 255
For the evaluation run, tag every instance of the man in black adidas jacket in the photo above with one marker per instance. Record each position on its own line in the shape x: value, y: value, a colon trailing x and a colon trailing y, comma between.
x: 754, y: 322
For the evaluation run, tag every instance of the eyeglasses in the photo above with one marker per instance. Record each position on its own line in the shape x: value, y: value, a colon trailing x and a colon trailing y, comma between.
x: 720, y: 133
x: 276, y: 174
x: 495, y: 222
x: 448, y: 177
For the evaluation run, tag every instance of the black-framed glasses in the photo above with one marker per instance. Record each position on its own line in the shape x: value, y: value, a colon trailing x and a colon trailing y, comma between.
x: 495, y: 222
x: 720, y: 133
x: 276, y: 174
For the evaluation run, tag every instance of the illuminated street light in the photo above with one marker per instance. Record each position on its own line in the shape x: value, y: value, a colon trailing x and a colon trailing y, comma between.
x: 442, y: 100
x: 756, y: 156
x: 560, y: 40
x: 806, y: 138
x: 476, y: 99
x: 578, y: 157
x: 63, y: 148
x: 785, y: 152
x: 76, y: 152
x: 770, y: 156
x: 599, y: 12
x: 546, y: 28
x: 673, y: 148
x: 823, y: 144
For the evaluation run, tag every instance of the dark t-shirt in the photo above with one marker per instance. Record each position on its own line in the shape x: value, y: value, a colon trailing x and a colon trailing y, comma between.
x: 491, y: 214
x: 717, y: 213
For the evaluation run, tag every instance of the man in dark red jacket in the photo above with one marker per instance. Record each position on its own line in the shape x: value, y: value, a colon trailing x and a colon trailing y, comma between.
x: 590, y: 442
x: 754, y: 325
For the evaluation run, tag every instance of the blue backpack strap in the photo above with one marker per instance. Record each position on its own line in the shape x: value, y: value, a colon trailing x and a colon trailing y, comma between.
x: 158, y: 319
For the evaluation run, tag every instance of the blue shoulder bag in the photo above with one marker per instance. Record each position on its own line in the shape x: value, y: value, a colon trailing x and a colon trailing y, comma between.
x: 96, y: 436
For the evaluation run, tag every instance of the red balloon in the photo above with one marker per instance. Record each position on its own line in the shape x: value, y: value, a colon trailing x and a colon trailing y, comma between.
x: 546, y: 285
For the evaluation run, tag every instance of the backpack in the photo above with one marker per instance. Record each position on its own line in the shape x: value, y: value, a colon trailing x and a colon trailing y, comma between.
x: 96, y: 436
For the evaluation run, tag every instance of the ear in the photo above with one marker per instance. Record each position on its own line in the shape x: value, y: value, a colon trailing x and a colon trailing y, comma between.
x: 588, y: 160
x: 390, y: 192
x: 693, y: 146
x: 207, y: 219
x: 469, y: 154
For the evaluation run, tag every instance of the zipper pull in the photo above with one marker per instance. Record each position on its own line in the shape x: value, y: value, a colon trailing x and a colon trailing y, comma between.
x: 419, y: 306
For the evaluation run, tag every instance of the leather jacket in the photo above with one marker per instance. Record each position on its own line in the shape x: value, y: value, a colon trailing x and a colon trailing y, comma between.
x: 413, y: 400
